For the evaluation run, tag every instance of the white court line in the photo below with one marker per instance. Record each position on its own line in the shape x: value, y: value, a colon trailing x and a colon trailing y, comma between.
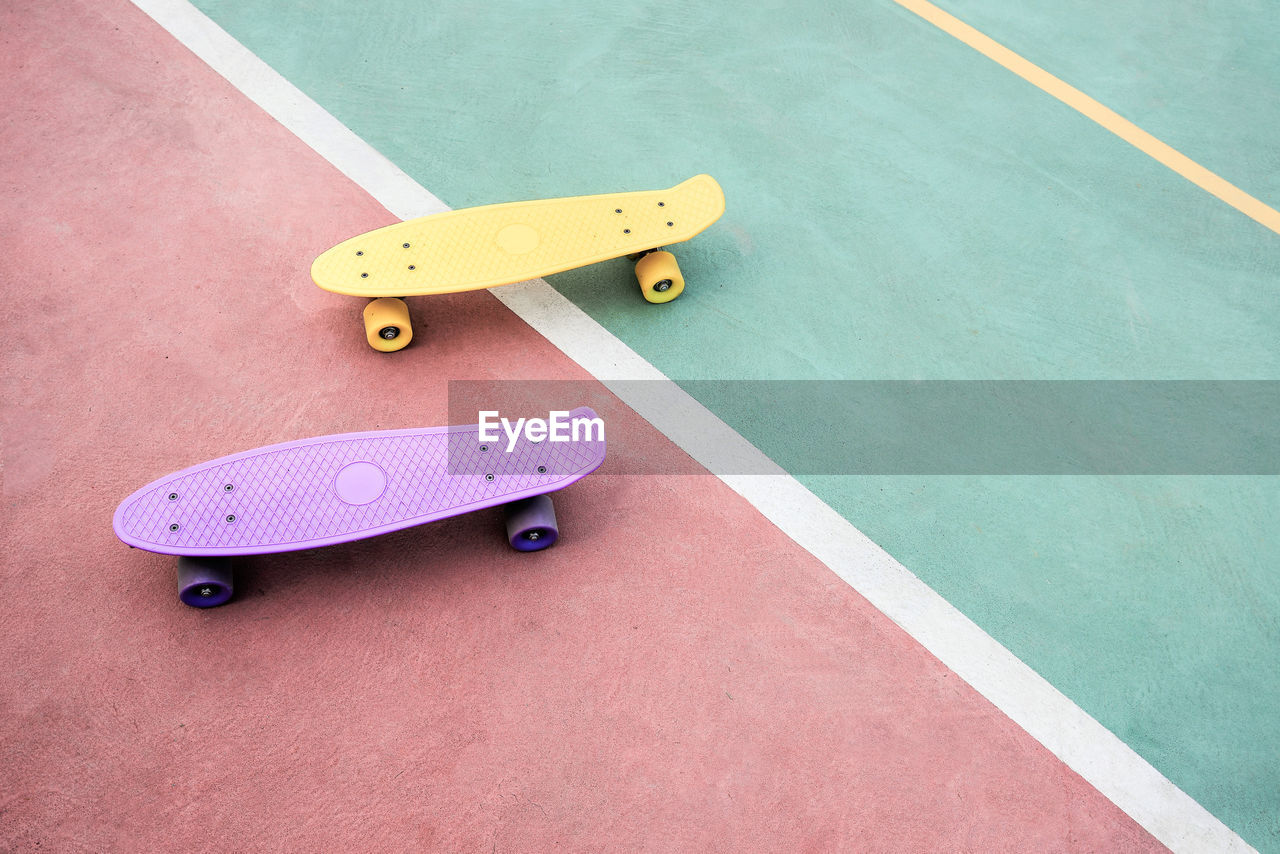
x: 1077, y: 739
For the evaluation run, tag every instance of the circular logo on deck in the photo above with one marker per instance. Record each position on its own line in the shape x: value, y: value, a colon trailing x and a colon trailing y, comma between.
x: 360, y: 483
x: 518, y: 239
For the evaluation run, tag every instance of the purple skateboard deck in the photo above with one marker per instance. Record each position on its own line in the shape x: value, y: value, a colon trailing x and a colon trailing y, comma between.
x: 335, y: 489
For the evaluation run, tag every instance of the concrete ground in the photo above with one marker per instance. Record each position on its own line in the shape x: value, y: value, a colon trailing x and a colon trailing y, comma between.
x: 687, y: 679
x: 698, y: 683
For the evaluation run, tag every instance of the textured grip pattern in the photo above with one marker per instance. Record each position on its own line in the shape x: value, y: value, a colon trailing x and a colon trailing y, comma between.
x: 339, y: 488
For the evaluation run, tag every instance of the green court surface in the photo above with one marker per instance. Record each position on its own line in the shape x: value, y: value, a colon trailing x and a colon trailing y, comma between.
x: 901, y: 207
x: 1203, y: 81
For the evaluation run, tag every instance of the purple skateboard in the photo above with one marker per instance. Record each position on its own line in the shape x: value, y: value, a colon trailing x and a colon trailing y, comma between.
x: 335, y: 489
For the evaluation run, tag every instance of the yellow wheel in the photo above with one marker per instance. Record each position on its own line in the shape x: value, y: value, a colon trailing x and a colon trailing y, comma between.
x: 386, y: 324
x: 659, y: 275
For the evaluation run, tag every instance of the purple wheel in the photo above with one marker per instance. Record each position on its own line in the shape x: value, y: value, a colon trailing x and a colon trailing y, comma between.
x: 531, y: 523
x: 204, y: 582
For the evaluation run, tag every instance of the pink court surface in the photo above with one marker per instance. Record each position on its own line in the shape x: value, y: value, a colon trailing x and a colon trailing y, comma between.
x: 675, y: 674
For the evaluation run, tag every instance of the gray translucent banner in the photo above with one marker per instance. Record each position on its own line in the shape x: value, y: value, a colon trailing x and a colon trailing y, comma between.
x: 890, y: 427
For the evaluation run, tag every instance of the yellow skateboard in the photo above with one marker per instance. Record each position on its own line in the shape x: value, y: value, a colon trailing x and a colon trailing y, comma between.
x: 496, y: 245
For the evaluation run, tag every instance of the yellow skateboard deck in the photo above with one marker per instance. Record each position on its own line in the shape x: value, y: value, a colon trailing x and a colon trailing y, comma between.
x: 493, y: 245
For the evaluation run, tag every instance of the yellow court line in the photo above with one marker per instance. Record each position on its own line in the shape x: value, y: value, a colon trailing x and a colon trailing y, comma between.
x: 1109, y: 119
